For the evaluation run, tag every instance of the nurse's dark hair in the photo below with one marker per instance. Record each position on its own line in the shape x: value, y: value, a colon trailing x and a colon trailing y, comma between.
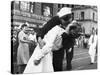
x: 66, y: 17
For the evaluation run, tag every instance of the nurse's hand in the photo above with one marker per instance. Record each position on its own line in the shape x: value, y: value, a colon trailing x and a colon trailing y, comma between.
x: 36, y: 62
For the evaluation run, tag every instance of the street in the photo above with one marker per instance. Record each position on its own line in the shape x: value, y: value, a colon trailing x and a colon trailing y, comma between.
x: 81, y: 60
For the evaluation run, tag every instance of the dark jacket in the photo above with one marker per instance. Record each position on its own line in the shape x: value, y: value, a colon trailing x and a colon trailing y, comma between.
x: 67, y: 41
x: 49, y: 25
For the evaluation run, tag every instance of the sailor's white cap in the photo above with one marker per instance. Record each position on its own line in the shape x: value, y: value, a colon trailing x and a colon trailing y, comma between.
x: 64, y: 11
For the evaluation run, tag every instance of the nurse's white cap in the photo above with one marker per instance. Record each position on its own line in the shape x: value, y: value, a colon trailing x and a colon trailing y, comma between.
x: 64, y: 11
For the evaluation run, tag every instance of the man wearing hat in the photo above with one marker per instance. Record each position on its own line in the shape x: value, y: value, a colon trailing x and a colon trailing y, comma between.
x: 59, y: 55
x: 68, y: 40
x: 41, y: 59
x: 62, y: 17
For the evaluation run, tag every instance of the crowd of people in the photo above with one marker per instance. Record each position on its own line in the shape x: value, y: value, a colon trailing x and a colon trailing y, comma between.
x: 43, y: 51
x: 23, y: 44
x: 82, y: 41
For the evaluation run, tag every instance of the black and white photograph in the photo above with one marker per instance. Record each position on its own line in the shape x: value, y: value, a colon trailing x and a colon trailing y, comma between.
x: 53, y: 37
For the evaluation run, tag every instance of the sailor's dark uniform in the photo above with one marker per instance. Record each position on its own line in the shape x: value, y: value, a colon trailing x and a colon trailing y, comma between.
x: 49, y: 25
x: 58, y: 55
x: 67, y: 43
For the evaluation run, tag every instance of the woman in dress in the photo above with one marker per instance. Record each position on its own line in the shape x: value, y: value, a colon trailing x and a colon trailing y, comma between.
x: 23, y: 48
x: 93, y: 45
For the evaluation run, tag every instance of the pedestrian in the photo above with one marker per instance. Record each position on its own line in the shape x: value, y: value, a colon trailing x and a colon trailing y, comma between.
x: 97, y: 41
x: 33, y: 44
x: 23, y: 49
x: 85, y: 42
x: 92, y: 46
x: 79, y: 40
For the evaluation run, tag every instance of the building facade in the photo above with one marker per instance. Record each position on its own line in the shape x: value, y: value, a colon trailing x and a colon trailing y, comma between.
x: 22, y: 11
x: 36, y: 13
x: 87, y: 16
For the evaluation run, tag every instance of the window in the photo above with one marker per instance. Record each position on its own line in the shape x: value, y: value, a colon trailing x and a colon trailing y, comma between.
x: 93, y: 16
x: 82, y: 15
x: 25, y: 6
x: 47, y: 9
x: 16, y: 5
x: 32, y: 7
x: 72, y: 6
x: 67, y: 5
x: 58, y: 5
x: 72, y: 16
x: 62, y: 5
x: 83, y: 29
x: 12, y: 5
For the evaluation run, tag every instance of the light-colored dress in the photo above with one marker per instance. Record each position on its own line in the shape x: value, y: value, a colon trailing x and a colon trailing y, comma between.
x: 46, y: 52
x: 92, y: 49
x: 23, y: 49
x: 32, y: 37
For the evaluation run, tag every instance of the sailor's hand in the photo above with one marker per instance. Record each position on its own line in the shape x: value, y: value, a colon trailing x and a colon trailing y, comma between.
x: 36, y: 62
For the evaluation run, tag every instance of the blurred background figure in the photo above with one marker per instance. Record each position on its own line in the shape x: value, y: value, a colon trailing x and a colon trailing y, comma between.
x: 32, y: 45
x: 97, y: 41
x: 85, y: 42
x: 80, y: 42
x: 23, y: 48
x: 46, y: 11
x: 92, y: 45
